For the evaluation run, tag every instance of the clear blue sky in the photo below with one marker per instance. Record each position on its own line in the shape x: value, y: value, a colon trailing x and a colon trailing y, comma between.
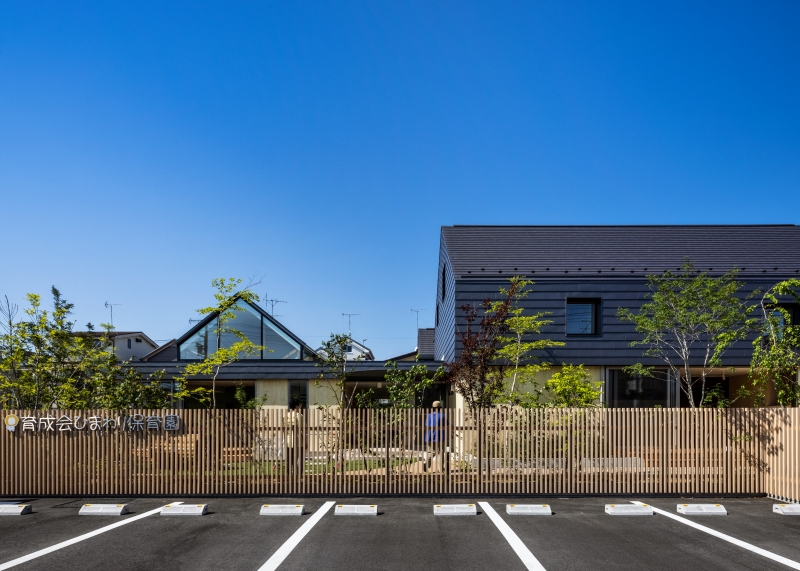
x: 146, y: 148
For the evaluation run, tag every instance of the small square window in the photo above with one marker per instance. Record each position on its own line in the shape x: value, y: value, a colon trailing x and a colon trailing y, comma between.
x: 582, y: 316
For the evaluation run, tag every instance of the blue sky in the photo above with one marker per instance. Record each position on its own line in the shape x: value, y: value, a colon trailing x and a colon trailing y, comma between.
x: 146, y: 148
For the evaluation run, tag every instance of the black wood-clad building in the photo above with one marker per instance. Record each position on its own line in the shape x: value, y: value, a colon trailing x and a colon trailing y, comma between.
x: 588, y: 273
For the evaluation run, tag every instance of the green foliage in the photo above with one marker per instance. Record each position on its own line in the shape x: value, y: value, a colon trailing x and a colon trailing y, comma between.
x: 478, y: 374
x: 335, y: 369
x: 776, y: 352
x: 248, y: 403
x: 497, y: 359
x: 227, y: 296
x: 404, y: 386
x: 517, y: 349
x: 572, y: 387
x: 45, y: 364
x: 690, y: 316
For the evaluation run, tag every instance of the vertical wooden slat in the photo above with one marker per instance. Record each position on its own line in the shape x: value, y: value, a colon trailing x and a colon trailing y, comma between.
x: 501, y: 452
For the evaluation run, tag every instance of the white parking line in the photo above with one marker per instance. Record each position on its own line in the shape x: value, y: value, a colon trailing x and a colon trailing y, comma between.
x: 728, y: 538
x: 285, y: 549
x: 522, y: 552
x: 74, y: 540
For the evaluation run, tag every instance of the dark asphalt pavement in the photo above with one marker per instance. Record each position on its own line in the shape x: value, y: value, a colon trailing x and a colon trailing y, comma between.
x: 406, y: 535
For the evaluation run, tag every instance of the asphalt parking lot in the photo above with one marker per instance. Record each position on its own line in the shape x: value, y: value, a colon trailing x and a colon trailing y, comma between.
x: 404, y: 535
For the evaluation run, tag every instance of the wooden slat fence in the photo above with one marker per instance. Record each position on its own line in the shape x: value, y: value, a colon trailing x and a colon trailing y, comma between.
x: 388, y: 451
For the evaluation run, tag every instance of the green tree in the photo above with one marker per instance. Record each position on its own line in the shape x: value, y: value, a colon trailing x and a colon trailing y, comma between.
x: 691, y: 319
x: 45, y: 364
x: 776, y: 352
x: 228, y: 298
x: 336, y: 368
x: 497, y: 352
x: 517, y: 349
x: 572, y: 387
x: 404, y: 386
x: 245, y: 401
x: 478, y: 374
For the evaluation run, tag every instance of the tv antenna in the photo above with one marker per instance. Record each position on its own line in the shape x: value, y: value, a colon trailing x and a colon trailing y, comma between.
x: 111, y: 307
x: 349, y: 315
x: 417, y: 312
x: 272, y: 303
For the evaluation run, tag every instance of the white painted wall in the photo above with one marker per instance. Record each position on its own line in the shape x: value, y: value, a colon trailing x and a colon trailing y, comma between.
x: 138, y: 348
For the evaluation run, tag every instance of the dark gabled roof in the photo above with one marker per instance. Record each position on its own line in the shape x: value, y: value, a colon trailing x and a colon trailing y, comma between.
x: 410, y: 356
x: 614, y: 251
x: 425, y: 338
x: 157, y: 351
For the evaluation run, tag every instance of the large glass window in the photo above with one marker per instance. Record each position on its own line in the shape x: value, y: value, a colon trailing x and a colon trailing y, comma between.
x: 277, y: 344
x: 201, y: 344
x: 258, y: 329
x: 581, y: 317
x: 635, y: 391
x: 298, y: 394
x: 248, y: 322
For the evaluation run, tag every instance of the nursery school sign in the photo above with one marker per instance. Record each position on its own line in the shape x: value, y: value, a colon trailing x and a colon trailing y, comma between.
x: 64, y: 423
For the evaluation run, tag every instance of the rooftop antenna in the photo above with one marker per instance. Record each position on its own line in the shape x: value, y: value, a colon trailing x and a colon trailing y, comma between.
x: 417, y: 312
x: 273, y: 303
x: 349, y: 315
x: 111, y: 307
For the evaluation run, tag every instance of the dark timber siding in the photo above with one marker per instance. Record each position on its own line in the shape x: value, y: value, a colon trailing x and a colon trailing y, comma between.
x: 608, y: 263
x: 445, y: 336
x: 611, y: 346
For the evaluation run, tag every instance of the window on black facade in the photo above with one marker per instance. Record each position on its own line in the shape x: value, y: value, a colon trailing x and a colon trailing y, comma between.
x: 582, y: 316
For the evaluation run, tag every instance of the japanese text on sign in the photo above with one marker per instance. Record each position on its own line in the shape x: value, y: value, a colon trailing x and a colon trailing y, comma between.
x: 132, y: 423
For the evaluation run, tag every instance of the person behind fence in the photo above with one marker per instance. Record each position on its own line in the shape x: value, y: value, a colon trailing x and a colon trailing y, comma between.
x: 295, y: 438
x: 435, y: 437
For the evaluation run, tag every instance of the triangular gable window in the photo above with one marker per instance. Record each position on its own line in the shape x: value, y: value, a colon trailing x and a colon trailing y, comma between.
x: 258, y: 329
x: 281, y: 345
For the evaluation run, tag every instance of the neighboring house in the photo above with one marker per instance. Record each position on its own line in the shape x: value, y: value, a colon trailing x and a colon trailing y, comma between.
x: 128, y: 345
x: 424, y: 349
x: 584, y: 274
x: 355, y: 351
x: 288, y: 370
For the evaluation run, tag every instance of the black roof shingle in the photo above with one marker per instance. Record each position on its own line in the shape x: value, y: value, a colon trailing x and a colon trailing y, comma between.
x: 616, y: 251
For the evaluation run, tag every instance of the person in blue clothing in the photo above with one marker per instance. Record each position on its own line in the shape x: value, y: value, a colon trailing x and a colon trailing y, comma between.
x: 435, y: 436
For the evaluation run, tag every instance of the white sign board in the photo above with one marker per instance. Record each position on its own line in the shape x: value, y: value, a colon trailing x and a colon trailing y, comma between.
x: 15, y: 509
x: 455, y: 509
x: 355, y: 510
x: 629, y: 509
x: 702, y: 509
x: 528, y: 509
x: 786, y: 509
x: 184, y: 509
x: 103, y: 509
x: 270, y: 509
